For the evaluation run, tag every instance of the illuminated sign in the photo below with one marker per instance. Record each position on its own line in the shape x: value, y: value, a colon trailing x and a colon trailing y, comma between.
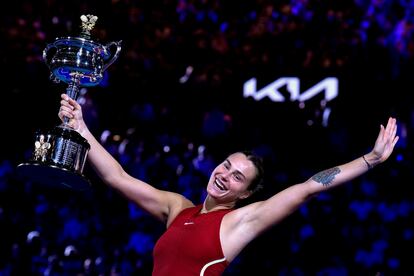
x: 328, y: 86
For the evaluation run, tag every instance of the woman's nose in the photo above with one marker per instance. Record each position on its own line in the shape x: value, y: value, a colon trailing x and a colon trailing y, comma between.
x: 225, y: 176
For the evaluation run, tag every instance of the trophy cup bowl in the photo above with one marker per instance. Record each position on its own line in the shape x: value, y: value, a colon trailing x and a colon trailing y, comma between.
x: 88, y: 59
x: 59, y: 155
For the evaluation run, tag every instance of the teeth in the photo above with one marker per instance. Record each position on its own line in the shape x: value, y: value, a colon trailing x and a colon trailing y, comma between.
x: 218, y: 184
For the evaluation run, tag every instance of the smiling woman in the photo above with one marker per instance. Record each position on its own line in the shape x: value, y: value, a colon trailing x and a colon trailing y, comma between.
x: 203, y: 239
x: 240, y: 175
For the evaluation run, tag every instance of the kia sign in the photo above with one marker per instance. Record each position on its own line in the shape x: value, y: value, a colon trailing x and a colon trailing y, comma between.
x: 328, y: 86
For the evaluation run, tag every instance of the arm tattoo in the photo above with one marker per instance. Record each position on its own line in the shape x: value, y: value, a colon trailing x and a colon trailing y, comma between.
x: 327, y: 176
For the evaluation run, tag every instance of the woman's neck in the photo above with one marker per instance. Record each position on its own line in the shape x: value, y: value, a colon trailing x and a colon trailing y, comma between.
x: 210, y: 204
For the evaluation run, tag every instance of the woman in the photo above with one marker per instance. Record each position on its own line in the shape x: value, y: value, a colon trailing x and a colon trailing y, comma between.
x: 203, y: 239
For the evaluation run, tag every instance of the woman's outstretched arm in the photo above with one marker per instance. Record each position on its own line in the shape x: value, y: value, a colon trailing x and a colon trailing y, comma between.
x: 249, y: 221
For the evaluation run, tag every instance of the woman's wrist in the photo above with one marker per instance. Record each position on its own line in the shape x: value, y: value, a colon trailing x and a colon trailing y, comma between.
x: 81, y: 128
x: 369, y: 165
x: 371, y: 160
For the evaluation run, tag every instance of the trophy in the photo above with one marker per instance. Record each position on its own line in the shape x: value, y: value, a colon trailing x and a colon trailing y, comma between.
x: 59, y: 155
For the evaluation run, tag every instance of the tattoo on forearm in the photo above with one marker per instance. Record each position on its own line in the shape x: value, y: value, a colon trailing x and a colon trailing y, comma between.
x: 327, y: 176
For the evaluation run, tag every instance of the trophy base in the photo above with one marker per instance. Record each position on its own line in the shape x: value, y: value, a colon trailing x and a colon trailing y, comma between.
x: 52, y: 176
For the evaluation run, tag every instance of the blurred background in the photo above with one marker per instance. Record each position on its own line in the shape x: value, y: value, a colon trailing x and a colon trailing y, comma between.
x: 174, y: 104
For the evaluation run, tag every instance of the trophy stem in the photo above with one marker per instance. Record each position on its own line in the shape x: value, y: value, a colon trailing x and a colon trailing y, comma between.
x: 73, y: 91
x: 73, y: 87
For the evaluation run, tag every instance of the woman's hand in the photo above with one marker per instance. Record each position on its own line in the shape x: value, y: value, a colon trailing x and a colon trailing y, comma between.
x: 72, y: 110
x: 386, y: 140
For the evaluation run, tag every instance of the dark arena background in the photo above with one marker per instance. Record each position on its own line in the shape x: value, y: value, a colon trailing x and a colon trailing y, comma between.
x: 306, y: 84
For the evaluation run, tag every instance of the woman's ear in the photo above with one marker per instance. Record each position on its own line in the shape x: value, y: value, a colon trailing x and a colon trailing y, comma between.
x: 245, y: 194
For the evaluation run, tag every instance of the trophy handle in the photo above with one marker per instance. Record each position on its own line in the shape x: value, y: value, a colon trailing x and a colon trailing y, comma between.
x: 115, y: 55
x: 46, y: 51
x: 47, y: 60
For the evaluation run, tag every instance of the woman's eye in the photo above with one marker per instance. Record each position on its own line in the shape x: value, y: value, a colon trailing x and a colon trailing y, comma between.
x: 237, y: 177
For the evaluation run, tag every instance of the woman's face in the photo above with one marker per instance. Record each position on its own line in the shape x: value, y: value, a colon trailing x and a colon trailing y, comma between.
x: 229, y: 180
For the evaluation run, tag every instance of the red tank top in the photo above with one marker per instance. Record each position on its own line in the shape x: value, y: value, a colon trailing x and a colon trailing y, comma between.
x: 191, y: 245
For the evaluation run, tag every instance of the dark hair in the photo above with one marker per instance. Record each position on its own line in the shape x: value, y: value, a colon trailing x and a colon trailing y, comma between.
x: 257, y: 182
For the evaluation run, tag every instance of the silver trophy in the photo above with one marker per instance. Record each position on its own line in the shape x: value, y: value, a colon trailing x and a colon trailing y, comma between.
x: 59, y: 155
